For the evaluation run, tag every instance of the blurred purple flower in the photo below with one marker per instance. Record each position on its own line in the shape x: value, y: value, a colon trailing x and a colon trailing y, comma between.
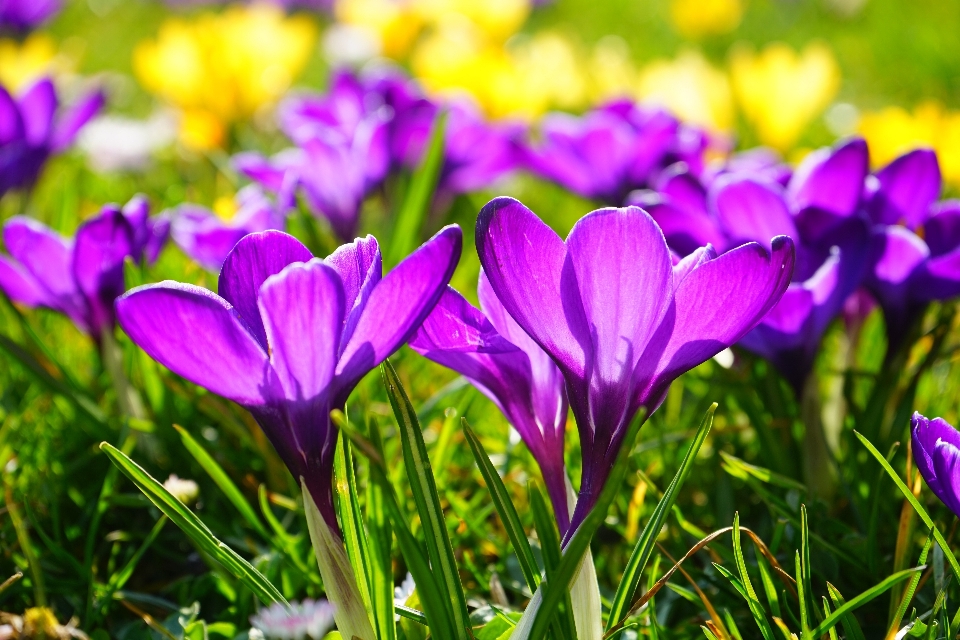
x: 208, y: 238
x: 936, y: 450
x: 820, y: 208
x: 32, y: 128
x: 23, y: 15
x: 82, y: 276
x: 498, y: 357
x: 617, y: 317
x: 612, y: 150
x: 915, y: 245
x: 289, y: 336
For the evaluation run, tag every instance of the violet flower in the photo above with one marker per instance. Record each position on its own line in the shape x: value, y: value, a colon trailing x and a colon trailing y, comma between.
x: 915, y: 252
x: 24, y: 15
x: 617, y: 317
x: 610, y: 151
x: 208, y: 238
x: 936, y: 450
x: 289, y: 336
x: 81, y: 276
x: 33, y: 127
x: 498, y: 357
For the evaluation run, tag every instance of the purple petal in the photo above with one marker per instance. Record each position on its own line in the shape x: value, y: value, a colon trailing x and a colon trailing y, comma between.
x: 687, y: 230
x: 11, y: 123
x: 261, y: 170
x: 360, y: 268
x: 830, y: 179
x: 70, y: 122
x: 946, y: 466
x: 398, y: 305
x: 508, y: 234
x: 897, y: 255
x: 907, y: 188
x: 20, y: 286
x: 302, y: 309
x: 942, y: 229
x: 751, y: 211
x: 198, y: 335
x: 925, y: 434
x: 255, y: 258
x: 102, y: 244
x: 37, y: 108
x: 682, y: 189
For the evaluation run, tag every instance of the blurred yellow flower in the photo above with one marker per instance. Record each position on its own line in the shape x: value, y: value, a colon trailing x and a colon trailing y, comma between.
x: 893, y: 130
x: 780, y: 92
x: 690, y: 87
x: 222, y: 68
x: 395, y: 23
x: 611, y: 72
x: 21, y: 64
x: 698, y: 18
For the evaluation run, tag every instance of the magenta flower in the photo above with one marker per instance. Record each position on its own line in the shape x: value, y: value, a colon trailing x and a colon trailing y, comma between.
x: 498, y: 357
x: 915, y: 252
x: 289, y: 336
x: 617, y: 317
x: 936, y: 450
x: 208, y: 239
x: 23, y: 15
x: 33, y: 127
x: 79, y: 277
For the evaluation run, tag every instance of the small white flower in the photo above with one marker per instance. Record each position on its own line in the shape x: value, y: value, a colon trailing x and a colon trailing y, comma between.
x: 724, y: 358
x: 345, y: 44
x: 186, y: 491
x: 115, y: 143
x: 402, y: 593
x: 309, y: 619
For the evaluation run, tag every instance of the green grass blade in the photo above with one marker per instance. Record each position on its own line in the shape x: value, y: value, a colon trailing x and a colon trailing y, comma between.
x: 749, y: 593
x: 120, y: 578
x: 769, y: 588
x: 351, y: 519
x: 424, y: 489
x: 802, y: 597
x: 222, y: 480
x: 648, y: 538
x: 549, y: 536
x: 506, y: 510
x: 868, y: 595
x: 416, y: 204
x: 807, y: 593
x: 851, y: 628
x: 576, y: 548
x: 190, y: 524
x: 826, y: 611
x: 894, y: 625
x: 914, y: 503
x: 381, y: 563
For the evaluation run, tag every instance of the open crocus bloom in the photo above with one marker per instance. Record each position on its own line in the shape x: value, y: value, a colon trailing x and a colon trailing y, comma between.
x: 915, y: 248
x: 208, y: 238
x: 289, y: 336
x: 32, y: 128
x: 498, y: 357
x: 936, y: 450
x: 618, y: 318
x: 81, y: 276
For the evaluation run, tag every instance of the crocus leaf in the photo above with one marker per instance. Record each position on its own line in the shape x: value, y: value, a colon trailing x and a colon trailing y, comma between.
x: 648, y: 538
x: 952, y: 559
x: 549, y: 537
x: 381, y: 564
x: 194, y: 528
x: 851, y: 628
x: 506, y: 510
x: 419, y: 194
x: 865, y: 597
x: 749, y: 594
x: 351, y: 519
x: 222, y: 481
x: 553, y: 591
x: 424, y: 488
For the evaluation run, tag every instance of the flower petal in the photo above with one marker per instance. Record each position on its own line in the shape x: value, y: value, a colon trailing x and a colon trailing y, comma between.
x: 830, y: 179
x: 198, y: 335
x: 302, y: 308
x: 38, y: 104
x: 360, y: 267
x: 255, y: 258
x: 942, y: 229
x: 946, y: 465
x: 45, y: 254
x: 508, y: 234
x: 398, y: 305
x: 925, y: 434
x: 907, y: 189
x: 20, y: 286
x: 11, y: 123
x: 752, y: 211
x: 69, y: 123
x: 102, y: 244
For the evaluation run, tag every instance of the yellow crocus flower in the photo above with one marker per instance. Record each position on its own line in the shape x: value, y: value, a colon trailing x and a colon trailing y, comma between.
x: 222, y: 68
x: 690, y: 87
x: 21, y: 64
x: 698, y: 18
x: 395, y: 23
x: 780, y: 91
x: 894, y: 130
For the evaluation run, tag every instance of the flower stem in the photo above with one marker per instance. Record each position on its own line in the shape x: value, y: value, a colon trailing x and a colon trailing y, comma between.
x: 127, y: 397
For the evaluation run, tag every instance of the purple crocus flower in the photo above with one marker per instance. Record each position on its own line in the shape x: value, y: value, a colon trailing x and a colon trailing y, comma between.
x: 936, y: 450
x: 820, y: 208
x: 611, y: 151
x: 31, y: 130
x: 498, y: 357
x: 915, y: 245
x: 24, y: 15
x: 81, y: 276
x: 208, y: 239
x: 289, y: 336
x: 617, y: 317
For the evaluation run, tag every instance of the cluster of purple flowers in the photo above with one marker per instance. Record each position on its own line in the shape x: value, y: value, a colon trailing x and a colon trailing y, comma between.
x: 19, y: 16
